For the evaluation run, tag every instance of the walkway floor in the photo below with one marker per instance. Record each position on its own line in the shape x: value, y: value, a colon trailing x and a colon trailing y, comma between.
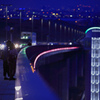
x: 30, y: 86
x: 7, y: 87
x: 27, y: 86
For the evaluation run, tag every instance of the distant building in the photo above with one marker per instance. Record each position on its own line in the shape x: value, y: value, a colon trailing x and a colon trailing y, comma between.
x: 93, y: 38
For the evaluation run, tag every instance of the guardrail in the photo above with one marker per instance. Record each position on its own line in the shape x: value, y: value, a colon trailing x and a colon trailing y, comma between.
x: 44, y: 58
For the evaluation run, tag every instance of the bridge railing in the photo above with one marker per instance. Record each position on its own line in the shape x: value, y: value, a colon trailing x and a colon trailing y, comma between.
x: 67, y: 65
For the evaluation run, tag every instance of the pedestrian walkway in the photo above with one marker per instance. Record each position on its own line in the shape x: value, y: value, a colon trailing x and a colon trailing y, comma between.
x: 30, y: 86
x: 27, y: 86
x: 7, y: 87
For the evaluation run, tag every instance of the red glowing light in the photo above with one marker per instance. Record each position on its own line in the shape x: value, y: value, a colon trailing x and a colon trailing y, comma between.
x: 73, y: 9
x: 52, y: 50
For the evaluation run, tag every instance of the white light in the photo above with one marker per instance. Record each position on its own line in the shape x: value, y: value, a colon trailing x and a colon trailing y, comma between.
x: 51, y: 43
x: 71, y: 15
x: 97, y: 82
x: 2, y: 46
x: 16, y: 45
x: 34, y: 43
x: 92, y: 81
x: 26, y: 37
x: 53, y: 13
x: 30, y: 18
x: 92, y: 91
x: 70, y: 43
x: 41, y: 9
x: 0, y: 9
x: 23, y: 37
x: 97, y: 91
x: 17, y: 88
x: 92, y: 38
x: 78, y: 8
x: 20, y: 46
x: 17, y: 93
x: 27, y: 15
x: 10, y: 15
x: 97, y: 73
x: 92, y: 73
x: 19, y: 99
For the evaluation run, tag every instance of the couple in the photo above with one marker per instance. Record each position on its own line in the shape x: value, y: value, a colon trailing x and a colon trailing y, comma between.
x: 9, y: 56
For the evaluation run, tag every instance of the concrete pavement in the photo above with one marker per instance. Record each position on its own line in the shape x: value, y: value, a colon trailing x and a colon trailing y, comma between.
x: 7, y: 87
x: 27, y: 86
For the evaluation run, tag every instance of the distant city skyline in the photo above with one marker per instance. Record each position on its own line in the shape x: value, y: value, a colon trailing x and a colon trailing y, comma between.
x: 38, y: 4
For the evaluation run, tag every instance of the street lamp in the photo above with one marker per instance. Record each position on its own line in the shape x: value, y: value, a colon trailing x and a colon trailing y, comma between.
x: 65, y: 33
x: 32, y: 22
x: 55, y: 31
x: 75, y: 33
x: 6, y: 5
x: 69, y: 36
x: 20, y: 21
x: 20, y: 10
x: 41, y: 29
x: 72, y: 36
x: 60, y: 32
x: 11, y: 31
x: 49, y: 32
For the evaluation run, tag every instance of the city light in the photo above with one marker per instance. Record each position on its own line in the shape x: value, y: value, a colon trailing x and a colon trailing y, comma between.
x: 56, y: 26
x: 56, y: 13
x: 71, y: 15
x: 0, y: 9
x: 70, y: 43
x: 17, y: 46
x: 30, y: 18
x: 53, y: 14
x: 2, y: 46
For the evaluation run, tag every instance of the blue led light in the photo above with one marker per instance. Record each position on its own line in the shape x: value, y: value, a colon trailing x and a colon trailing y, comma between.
x: 91, y: 29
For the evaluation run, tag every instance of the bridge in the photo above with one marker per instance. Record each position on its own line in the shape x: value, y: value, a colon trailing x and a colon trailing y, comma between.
x: 50, y: 72
x: 56, y: 72
x: 60, y: 72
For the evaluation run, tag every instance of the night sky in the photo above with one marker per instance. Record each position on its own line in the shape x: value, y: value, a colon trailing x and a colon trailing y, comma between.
x: 37, y: 4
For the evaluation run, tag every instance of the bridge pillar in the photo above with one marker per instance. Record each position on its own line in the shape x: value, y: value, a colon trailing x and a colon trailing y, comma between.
x: 73, y: 90
x: 73, y: 71
x: 66, y: 78
x: 80, y: 63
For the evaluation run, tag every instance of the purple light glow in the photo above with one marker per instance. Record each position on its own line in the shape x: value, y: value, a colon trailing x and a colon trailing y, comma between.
x: 52, y: 50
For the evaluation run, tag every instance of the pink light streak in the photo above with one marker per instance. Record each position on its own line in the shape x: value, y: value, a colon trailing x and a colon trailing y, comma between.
x: 52, y: 50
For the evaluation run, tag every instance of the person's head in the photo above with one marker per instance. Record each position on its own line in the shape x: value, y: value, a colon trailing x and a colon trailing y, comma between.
x: 12, y: 46
x: 29, y: 44
x: 8, y: 43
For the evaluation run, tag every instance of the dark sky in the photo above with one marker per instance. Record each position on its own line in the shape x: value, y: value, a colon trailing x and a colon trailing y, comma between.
x: 51, y: 3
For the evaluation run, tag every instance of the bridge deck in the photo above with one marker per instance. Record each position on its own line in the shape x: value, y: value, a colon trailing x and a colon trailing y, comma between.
x: 28, y: 85
x: 32, y: 86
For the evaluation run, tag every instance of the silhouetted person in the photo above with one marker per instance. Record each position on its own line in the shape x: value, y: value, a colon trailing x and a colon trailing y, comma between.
x: 5, y: 55
x: 29, y: 44
x: 12, y: 61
